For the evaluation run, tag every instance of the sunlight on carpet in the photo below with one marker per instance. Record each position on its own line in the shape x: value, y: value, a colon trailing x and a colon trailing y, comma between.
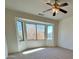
x: 34, y: 50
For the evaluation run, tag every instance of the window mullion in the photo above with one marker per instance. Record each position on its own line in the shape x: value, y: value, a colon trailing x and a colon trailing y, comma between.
x: 25, y: 30
x: 22, y: 30
x: 36, y: 31
x: 45, y: 32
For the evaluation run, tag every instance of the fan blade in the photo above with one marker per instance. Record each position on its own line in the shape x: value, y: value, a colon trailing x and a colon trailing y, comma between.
x: 64, y: 4
x: 49, y: 4
x: 54, y: 13
x: 40, y: 14
x: 47, y: 10
x: 62, y: 10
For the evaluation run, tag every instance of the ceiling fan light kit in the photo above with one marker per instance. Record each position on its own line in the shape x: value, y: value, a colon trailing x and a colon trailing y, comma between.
x: 56, y: 7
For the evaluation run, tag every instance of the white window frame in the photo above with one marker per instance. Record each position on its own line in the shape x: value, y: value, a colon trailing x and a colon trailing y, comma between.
x: 24, y: 30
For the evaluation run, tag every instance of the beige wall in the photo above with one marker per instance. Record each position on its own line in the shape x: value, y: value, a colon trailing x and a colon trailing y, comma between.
x: 6, y: 50
x: 10, y: 32
x: 66, y: 33
x: 10, y: 27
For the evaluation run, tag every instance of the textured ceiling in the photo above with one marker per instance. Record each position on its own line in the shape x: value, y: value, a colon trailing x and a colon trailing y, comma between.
x: 37, y: 6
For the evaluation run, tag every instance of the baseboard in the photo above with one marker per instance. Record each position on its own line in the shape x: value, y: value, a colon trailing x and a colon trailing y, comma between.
x: 31, y: 49
x: 66, y: 48
x: 13, y: 53
x: 24, y: 50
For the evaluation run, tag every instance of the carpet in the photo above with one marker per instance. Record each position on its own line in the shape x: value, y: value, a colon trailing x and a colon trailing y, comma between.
x: 47, y: 53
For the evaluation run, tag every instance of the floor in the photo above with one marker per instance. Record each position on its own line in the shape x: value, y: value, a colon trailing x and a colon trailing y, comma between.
x: 47, y: 53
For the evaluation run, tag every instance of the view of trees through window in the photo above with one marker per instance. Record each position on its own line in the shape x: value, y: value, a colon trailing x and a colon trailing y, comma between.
x: 35, y: 31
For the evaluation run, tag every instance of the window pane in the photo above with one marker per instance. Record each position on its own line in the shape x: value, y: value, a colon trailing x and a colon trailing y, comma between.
x: 50, y: 33
x: 19, y: 29
x: 40, y: 32
x: 31, y: 31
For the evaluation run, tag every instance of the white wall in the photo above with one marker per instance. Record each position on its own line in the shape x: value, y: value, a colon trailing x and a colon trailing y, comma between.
x: 30, y: 44
x: 66, y: 33
x: 10, y: 27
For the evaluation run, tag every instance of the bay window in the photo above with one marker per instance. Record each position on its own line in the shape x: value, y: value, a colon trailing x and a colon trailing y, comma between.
x: 35, y: 31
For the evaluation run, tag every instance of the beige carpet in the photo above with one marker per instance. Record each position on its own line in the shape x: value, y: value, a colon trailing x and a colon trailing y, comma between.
x: 47, y: 53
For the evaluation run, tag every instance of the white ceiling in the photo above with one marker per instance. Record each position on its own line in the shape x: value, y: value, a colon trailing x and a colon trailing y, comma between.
x: 37, y: 6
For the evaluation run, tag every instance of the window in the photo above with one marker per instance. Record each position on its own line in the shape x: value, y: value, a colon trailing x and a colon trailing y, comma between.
x: 49, y: 32
x: 40, y: 32
x: 34, y: 30
x: 20, y: 30
x: 31, y: 31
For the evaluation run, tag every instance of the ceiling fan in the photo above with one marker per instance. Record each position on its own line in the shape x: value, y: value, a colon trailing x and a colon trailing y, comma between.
x: 56, y: 7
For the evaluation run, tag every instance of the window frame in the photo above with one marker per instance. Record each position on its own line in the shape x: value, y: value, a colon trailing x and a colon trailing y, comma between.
x: 36, y: 31
x: 24, y: 30
x: 22, y: 24
x: 44, y: 31
x: 52, y: 31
